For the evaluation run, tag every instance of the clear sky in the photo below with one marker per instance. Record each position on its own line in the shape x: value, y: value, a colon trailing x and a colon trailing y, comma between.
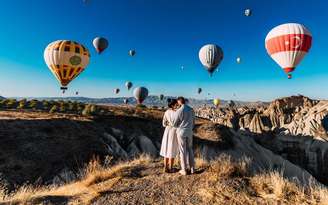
x: 166, y: 35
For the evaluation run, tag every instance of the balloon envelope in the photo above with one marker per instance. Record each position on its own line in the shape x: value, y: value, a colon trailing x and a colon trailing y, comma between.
x: 287, y: 44
x: 100, y: 44
x: 117, y: 90
x: 132, y: 52
x: 66, y: 60
x: 238, y: 60
x: 161, y: 96
x: 199, y: 90
x: 128, y: 85
x: 210, y: 56
x: 140, y: 94
x: 216, y: 102
x: 248, y: 12
x: 126, y: 101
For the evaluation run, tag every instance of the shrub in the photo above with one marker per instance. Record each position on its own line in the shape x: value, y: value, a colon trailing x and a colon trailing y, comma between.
x: 53, y: 109
x: 22, y: 104
x: 11, y: 103
x: 141, y: 106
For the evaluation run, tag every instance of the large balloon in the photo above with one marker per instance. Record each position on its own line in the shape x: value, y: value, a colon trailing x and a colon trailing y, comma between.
x: 216, y: 102
x: 248, y: 12
x: 66, y: 60
x: 100, y: 44
x: 210, y: 56
x: 128, y: 85
x: 132, y: 52
x: 140, y: 94
x: 117, y: 90
x: 287, y: 44
x: 161, y: 96
x: 199, y: 90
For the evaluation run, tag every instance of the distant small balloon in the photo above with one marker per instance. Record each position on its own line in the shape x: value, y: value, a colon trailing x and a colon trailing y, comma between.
x: 248, y: 12
x: 132, y: 52
x: 76, y: 93
x: 117, y: 90
x: 140, y: 94
x: 161, y: 97
x: 238, y: 60
x: 129, y: 85
x: 100, y: 44
x: 126, y: 101
x: 199, y: 90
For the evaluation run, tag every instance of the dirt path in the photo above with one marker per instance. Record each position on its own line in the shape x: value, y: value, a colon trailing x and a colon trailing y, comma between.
x: 152, y: 186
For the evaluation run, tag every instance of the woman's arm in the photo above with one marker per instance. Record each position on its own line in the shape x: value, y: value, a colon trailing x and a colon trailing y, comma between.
x: 165, y: 122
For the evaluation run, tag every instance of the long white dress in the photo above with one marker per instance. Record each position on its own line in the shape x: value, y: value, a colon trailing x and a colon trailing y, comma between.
x: 169, y: 148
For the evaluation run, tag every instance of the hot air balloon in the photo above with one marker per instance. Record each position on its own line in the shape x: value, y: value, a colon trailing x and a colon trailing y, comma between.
x: 210, y: 56
x: 287, y: 44
x: 76, y: 93
x: 238, y: 60
x: 248, y: 12
x: 161, y: 97
x: 100, y: 44
x: 140, y: 94
x: 128, y: 85
x: 66, y: 60
x: 216, y: 102
x: 199, y: 90
x: 126, y: 101
x: 132, y: 52
x: 117, y: 90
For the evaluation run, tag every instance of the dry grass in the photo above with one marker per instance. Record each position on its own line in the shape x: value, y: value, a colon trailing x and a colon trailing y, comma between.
x: 225, y: 182
x: 229, y: 183
x: 96, y: 179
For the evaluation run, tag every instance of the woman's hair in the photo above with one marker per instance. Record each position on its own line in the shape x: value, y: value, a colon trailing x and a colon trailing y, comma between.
x: 172, y: 103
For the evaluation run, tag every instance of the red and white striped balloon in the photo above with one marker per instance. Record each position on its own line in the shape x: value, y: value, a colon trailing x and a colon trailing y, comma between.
x: 287, y: 44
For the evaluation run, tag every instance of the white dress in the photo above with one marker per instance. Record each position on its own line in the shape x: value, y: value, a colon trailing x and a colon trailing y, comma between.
x: 169, y: 148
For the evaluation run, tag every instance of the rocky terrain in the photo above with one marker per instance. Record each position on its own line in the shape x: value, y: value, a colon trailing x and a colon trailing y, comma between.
x: 294, y: 127
x: 52, y: 149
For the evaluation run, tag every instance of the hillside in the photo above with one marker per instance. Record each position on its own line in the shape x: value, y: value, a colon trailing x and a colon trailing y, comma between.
x: 43, y: 155
x: 150, y: 101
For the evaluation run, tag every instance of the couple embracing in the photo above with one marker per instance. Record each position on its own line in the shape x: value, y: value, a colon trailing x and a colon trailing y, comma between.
x: 178, y: 121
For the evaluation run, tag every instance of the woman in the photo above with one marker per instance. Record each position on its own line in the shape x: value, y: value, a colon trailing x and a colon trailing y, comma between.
x: 169, y: 148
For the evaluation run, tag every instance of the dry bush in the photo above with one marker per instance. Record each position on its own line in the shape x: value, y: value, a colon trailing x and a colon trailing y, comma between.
x: 95, y: 180
x: 225, y: 167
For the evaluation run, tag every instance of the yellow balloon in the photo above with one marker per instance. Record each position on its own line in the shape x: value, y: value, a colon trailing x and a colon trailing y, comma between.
x: 216, y: 102
x: 66, y: 60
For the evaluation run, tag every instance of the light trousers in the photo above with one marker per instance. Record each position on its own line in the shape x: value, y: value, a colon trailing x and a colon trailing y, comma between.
x: 187, y: 160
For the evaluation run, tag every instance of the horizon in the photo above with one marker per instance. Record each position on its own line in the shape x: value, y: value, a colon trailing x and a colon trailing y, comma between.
x: 165, y: 36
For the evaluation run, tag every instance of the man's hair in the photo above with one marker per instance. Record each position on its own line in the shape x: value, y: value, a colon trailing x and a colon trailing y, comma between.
x: 182, y: 99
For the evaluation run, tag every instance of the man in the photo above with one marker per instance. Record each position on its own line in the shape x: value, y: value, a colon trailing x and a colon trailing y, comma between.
x: 184, y: 122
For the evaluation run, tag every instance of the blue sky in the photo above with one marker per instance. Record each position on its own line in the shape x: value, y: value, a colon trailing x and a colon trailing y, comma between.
x: 166, y: 34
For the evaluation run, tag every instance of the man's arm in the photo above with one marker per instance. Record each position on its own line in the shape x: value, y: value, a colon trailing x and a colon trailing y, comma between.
x: 178, y: 116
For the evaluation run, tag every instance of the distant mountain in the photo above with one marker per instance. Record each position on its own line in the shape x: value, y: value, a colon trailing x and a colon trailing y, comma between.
x: 1, y: 98
x: 150, y: 101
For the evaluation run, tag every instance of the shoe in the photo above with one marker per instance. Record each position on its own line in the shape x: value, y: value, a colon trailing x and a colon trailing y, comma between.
x: 183, y: 172
x: 192, y: 170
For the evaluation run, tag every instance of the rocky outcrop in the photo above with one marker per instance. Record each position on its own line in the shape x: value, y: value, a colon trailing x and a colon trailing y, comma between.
x: 295, y: 128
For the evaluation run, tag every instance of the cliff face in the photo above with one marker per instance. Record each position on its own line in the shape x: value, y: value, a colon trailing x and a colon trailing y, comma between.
x: 295, y: 128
